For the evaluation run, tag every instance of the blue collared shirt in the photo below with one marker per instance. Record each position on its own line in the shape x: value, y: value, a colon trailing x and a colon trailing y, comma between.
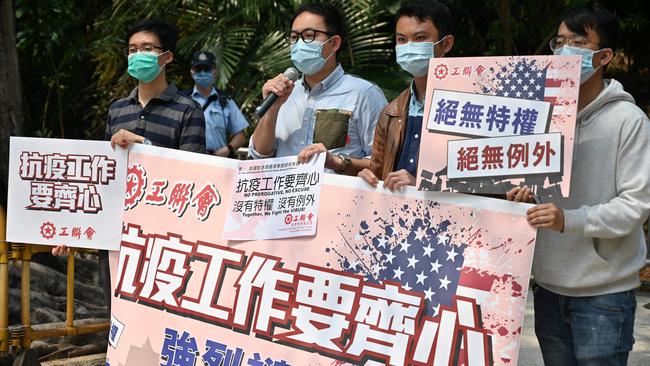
x: 408, y: 158
x: 340, y: 93
x: 220, y: 121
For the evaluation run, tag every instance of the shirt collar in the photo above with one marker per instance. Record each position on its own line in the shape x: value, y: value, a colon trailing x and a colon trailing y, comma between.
x: 197, y: 93
x: 416, y: 109
x: 166, y: 96
x: 330, y: 80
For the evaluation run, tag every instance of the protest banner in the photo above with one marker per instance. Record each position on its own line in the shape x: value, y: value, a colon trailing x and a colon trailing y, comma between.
x: 275, y: 198
x: 419, y: 278
x: 494, y: 123
x: 65, y: 192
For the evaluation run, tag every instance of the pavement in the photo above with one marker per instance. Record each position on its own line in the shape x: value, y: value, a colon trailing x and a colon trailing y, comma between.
x: 529, y: 354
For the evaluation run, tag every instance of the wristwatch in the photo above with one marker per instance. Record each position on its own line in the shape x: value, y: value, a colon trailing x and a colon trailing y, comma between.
x: 146, y: 141
x: 347, y: 161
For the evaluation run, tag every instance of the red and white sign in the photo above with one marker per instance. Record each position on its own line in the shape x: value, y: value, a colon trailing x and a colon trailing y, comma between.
x: 505, y: 156
x: 275, y: 198
x: 65, y: 192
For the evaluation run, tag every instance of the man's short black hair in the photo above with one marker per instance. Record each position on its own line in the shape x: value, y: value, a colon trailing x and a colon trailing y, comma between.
x: 167, y: 33
x: 432, y: 10
x: 332, y: 15
x: 602, y: 21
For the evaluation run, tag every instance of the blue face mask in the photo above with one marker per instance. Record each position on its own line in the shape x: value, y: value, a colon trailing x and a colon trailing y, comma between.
x: 587, y: 69
x: 307, y: 57
x: 204, y: 79
x: 414, y: 57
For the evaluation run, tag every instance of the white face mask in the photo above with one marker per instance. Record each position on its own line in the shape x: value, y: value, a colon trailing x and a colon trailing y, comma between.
x: 414, y: 57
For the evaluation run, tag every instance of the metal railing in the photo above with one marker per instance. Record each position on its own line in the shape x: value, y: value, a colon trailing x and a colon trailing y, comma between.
x: 22, y: 335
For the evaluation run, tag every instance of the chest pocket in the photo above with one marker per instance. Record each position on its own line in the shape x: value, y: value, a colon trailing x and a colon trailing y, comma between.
x: 331, y: 128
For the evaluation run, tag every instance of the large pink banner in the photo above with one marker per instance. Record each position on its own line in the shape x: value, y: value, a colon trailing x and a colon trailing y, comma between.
x: 416, y: 278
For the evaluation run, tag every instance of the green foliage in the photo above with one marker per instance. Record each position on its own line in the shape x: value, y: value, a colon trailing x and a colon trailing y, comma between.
x: 72, y: 65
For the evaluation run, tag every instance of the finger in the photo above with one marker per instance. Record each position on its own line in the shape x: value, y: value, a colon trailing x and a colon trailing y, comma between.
x: 536, y: 208
x: 520, y: 194
x: 510, y: 195
x: 538, y: 213
x: 540, y: 219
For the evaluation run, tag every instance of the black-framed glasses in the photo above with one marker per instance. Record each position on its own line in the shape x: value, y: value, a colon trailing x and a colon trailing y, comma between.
x: 576, y: 41
x: 147, y: 47
x: 307, y: 35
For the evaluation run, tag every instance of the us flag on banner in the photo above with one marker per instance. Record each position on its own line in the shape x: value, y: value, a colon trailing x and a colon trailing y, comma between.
x: 426, y: 261
x: 525, y: 79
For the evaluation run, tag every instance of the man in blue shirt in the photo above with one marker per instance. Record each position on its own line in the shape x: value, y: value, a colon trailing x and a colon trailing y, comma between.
x: 327, y: 107
x: 222, y: 116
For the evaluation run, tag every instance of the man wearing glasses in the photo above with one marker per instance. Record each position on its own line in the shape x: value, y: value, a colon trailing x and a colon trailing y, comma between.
x: 222, y: 116
x: 327, y: 107
x: 155, y: 113
x: 590, y: 246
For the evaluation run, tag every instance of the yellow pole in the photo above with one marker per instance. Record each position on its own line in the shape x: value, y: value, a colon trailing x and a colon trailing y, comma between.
x: 25, y: 289
x: 69, y: 309
x: 4, y: 286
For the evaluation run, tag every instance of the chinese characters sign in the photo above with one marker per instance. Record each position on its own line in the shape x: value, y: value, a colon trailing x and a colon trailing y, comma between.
x: 494, y: 123
x: 275, y: 198
x: 64, y: 192
x: 505, y: 156
x: 486, y: 115
x: 420, y: 278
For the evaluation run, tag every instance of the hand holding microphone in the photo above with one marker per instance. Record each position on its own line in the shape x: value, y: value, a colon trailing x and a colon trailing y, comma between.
x: 277, y: 89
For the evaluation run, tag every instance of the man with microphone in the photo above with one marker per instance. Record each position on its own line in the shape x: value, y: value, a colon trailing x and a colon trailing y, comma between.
x: 327, y: 107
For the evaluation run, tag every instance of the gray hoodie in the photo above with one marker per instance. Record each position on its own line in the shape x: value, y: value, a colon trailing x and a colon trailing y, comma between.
x: 602, y: 247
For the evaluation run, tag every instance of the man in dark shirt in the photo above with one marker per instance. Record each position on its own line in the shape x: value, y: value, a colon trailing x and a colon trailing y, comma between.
x: 154, y: 113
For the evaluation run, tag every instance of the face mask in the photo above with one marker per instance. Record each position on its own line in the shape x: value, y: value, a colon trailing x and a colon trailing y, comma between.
x: 307, y: 56
x: 204, y: 78
x: 414, y: 57
x: 144, y: 66
x: 587, y: 67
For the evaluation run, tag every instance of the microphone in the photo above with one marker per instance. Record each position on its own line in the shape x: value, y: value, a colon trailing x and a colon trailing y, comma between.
x: 291, y: 74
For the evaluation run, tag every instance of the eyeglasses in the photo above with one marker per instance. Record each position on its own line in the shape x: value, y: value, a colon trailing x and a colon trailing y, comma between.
x: 147, y: 47
x: 308, y: 35
x: 575, y: 41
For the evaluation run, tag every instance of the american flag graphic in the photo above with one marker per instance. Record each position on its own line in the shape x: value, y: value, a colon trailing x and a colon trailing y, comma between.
x: 425, y: 261
x: 526, y: 80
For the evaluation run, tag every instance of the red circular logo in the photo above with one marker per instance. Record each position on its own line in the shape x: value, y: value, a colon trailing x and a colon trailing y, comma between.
x: 48, y: 230
x: 288, y: 219
x: 441, y: 71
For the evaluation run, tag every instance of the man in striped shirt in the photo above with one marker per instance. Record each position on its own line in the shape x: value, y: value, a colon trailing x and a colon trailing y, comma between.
x: 154, y: 112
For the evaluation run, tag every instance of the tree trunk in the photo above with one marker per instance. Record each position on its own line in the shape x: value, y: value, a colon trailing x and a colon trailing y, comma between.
x: 11, y: 112
x: 505, y: 17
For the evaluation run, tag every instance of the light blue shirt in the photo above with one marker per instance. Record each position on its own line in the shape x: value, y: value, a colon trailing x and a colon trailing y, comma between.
x: 416, y: 109
x: 219, y: 121
x: 297, y: 117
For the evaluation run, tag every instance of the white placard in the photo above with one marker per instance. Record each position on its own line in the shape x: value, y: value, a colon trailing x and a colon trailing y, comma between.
x: 505, y: 156
x: 66, y: 192
x: 275, y: 198
x: 469, y: 114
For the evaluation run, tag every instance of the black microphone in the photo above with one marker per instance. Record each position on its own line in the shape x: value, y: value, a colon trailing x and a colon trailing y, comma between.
x: 291, y: 74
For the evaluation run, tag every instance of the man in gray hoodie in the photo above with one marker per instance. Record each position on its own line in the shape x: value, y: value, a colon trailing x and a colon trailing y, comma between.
x: 590, y: 246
